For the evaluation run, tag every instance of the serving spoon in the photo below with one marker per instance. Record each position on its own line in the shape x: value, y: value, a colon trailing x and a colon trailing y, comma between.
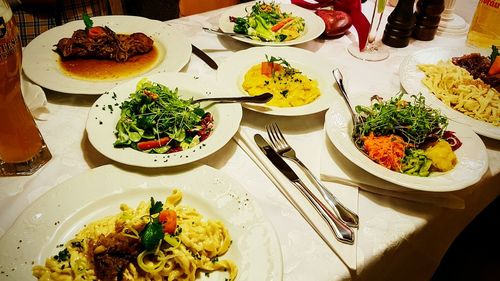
x: 262, y: 98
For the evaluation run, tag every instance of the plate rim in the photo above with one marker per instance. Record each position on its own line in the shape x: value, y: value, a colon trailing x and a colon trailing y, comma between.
x: 93, y: 125
x: 315, y: 19
x: 32, y: 69
x: 146, y: 177
x: 408, y: 181
x: 409, y: 83
x: 329, y: 94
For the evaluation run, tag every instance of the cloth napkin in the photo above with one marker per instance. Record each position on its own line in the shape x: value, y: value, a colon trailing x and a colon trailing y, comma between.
x: 35, y: 98
x: 346, y: 194
x: 337, y: 168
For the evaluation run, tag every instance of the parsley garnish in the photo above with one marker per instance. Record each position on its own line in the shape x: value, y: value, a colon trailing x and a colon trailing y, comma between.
x: 152, y: 233
x: 88, y: 22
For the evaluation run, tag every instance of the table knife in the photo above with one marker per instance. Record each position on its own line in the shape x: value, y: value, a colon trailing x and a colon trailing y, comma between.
x: 342, y: 232
x: 204, y: 57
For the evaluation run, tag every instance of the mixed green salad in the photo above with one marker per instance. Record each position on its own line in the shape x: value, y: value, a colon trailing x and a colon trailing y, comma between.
x: 407, y: 137
x: 266, y: 22
x: 156, y: 120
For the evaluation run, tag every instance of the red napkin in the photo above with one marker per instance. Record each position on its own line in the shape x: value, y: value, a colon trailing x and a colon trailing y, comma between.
x: 351, y: 7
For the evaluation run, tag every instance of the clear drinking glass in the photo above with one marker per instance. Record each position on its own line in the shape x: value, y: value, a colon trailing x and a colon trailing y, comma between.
x: 22, y: 148
x: 373, y: 50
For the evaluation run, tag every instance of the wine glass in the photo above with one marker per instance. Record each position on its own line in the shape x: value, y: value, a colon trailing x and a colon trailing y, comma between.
x: 372, y: 50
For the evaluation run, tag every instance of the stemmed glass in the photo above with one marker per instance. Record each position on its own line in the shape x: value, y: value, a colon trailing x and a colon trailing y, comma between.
x: 372, y: 50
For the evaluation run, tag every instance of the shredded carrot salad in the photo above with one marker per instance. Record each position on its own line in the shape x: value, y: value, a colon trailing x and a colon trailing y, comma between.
x: 385, y: 150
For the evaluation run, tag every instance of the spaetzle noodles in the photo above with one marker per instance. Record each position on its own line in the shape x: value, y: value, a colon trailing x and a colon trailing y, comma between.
x: 455, y: 87
x: 115, y: 241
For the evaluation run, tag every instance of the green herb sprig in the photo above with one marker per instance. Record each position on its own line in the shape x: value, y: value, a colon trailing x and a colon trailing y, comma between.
x: 414, y: 121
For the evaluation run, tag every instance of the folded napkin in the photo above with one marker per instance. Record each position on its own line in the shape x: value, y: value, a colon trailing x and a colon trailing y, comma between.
x: 337, y: 168
x: 34, y: 97
x: 346, y: 194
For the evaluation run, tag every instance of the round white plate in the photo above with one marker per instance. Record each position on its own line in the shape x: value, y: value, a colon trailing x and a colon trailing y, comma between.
x: 231, y: 73
x: 472, y: 157
x: 105, y: 113
x: 63, y: 211
x: 314, y: 25
x: 411, y: 79
x: 41, y: 63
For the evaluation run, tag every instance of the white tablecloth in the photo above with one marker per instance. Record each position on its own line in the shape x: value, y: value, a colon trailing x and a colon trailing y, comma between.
x: 397, y: 239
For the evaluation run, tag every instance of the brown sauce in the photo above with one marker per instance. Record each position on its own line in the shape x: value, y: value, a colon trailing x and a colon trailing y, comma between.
x: 100, y: 69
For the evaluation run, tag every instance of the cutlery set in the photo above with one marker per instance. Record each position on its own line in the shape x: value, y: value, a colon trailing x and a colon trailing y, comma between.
x: 338, y: 217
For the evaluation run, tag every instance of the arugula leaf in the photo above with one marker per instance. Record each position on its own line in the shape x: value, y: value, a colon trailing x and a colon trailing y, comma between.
x: 88, y: 22
x: 151, y: 235
x: 156, y: 207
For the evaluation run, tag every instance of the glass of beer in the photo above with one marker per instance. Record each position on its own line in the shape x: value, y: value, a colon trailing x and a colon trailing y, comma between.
x: 484, y: 29
x: 22, y: 148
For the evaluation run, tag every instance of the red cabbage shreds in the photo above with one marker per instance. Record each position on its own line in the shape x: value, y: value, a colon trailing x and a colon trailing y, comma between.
x: 453, y: 140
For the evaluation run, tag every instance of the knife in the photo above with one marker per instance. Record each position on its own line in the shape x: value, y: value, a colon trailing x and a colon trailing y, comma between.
x: 204, y: 57
x: 342, y: 232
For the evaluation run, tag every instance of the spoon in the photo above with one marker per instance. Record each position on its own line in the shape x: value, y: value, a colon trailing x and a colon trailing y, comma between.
x: 262, y: 98
x: 231, y: 34
x: 340, y: 82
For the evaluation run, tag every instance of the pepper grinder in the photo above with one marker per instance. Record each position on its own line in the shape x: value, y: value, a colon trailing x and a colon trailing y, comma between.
x: 399, y: 25
x: 428, y: 15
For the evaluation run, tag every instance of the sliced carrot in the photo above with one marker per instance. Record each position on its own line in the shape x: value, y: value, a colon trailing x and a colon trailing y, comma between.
x: 280, y: 24
x: 168, y: 219
x: 145, y: 145
x: 495, y: 67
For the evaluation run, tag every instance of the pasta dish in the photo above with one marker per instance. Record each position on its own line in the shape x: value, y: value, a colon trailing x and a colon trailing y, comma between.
x: 155, y: 241
x: 455, y: 87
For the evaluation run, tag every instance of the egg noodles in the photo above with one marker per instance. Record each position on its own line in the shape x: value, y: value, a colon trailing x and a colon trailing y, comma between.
x: 155, y: 241
x: 455, y: 87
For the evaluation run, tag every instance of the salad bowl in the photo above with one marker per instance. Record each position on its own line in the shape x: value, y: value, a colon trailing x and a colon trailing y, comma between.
x: 104, y: 115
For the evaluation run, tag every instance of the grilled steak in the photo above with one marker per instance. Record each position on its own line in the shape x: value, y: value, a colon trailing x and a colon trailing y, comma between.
x: 105, y: 44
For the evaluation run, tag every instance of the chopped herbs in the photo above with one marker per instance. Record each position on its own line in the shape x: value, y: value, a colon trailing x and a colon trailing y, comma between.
x: 63, y: 255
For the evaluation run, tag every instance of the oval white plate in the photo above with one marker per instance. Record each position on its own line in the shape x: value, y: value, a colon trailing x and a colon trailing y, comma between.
x: 60, y: 213
x: 411, y: 79
x: 41, y: 63
x: 472, y: 157
x: 314, y: 24
x: 232, y: 73
x: 105, y: 113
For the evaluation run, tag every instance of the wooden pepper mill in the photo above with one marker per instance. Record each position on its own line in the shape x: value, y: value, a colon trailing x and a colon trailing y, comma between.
x: 428, y: 15
x: 400, y: 25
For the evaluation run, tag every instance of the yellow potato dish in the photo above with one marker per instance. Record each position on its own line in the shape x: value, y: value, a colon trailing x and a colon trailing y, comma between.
x: 290, y: 88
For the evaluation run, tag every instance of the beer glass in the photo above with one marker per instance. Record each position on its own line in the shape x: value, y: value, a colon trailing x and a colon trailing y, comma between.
x: 22, y: 148
x: 485, y: 26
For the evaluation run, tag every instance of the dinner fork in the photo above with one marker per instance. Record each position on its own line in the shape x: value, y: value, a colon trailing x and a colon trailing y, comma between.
x: 285, y: 150
x: 231, y: 34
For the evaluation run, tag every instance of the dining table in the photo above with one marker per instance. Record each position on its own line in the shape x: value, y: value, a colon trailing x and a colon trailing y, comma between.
x: 403, y: 234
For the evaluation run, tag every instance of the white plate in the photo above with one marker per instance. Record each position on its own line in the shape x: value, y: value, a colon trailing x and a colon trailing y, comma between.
x: 472, y: 157
x: 314, y: 25
x: 41, y: 63
x: 411, y: 79
x: 59, y: 214
x: 232, y: 71
x: 105, y: 113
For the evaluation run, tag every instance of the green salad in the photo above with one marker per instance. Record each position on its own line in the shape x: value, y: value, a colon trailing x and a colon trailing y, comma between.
x: 156, y: 120
x: 266, y: 22
x: 406, y: 136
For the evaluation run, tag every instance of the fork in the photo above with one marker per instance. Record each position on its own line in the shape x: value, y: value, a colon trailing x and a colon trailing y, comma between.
x: 285, y: 150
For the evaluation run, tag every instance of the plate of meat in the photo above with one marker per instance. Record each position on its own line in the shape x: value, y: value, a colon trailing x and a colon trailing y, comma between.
x: 94, y: 55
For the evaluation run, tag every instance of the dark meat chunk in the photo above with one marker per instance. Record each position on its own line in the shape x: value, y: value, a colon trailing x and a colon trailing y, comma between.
x: 105, y: 45
x: 478, y: 67
x: 111, y: 255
